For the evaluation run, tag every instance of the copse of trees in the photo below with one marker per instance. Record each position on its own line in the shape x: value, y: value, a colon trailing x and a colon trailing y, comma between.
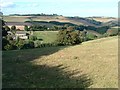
x: 37, y: 28
x: 100, y: 30
x: 68, y: 36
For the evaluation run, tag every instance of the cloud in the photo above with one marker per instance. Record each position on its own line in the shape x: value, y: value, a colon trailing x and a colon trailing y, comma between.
x: 7, y: 4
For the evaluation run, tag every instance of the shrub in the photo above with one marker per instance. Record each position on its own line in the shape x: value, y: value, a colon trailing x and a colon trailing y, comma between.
x: 28, y: 45
x: 32, y: 38
x: 4, y: 43
x: 20, y: 44
x: 8, y: 47
x: 37, y: 44
x: 91, y: 36
x: 112, y: 32
x: 26, y: 28
x: 7, y: 28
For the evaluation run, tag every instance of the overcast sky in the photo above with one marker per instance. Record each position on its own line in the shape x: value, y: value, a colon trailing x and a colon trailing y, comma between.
x: 82, y: 8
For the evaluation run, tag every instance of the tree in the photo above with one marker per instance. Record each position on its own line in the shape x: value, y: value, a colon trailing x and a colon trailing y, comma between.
x: 26, y: 28
x: 7, y: 28
x: 67, y: 37
x: 4, y: 32
x: 13, y: 28
x: 4, y: 35
x: 83, y: 35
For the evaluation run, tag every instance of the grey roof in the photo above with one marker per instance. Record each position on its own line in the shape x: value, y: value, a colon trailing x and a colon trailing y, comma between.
x: 21, y: 32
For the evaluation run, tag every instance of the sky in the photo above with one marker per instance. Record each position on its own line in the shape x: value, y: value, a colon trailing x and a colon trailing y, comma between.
x: 81, y: 8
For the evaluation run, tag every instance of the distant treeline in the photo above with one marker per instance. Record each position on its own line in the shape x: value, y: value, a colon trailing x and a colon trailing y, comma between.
x: 100, y: 30
x: 42, y: 14
x: 51, y: 22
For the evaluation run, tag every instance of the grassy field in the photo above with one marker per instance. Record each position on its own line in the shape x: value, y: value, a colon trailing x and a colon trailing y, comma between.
x: 47, y: 36
x: 92, y: 64
x: 35, y: 18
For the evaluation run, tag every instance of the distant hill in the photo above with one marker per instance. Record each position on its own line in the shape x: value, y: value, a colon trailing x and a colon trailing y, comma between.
x: 103, y: 19
x: 92, y: 21
x: 59, y: 19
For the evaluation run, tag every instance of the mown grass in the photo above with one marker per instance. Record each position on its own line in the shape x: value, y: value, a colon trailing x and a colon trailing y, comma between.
x: 92, y: 64
x: 46, y: 36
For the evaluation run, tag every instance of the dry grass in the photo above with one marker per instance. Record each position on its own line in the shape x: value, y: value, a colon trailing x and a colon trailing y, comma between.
x: 92, y: 64
x: 40, y: 18
x: 97, y: 58
x: 103, y: 19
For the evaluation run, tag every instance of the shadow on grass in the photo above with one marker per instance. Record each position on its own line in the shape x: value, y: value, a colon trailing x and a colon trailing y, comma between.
x: 18, y: 72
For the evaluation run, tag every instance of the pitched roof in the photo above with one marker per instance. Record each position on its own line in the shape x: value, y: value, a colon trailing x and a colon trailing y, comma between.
x: 20, y: 32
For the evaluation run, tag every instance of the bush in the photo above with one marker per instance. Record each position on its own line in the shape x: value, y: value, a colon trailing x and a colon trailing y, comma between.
x: 8, y: 47
x: 20, y: 44
x: 7, y: 28
x: 4, y: 43
x: 32, y: 38
x: 26, y: 28
x: 37, y: 44
x: 112, y: 32
x: 28, y: 45
x: 91, y: 36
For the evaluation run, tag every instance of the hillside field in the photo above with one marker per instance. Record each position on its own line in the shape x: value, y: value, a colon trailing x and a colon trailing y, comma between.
x: 46, y: 36
x: 92, y: 64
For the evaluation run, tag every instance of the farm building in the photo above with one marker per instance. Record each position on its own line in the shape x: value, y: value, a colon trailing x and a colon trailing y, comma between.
x: 21, y: 35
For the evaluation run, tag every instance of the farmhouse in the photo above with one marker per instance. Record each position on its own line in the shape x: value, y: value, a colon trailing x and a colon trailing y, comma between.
x: 21, y: 35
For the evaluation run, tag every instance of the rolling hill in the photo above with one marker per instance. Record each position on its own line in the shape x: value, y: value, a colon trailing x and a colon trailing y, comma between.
x: 91, y: 64
x: 91, y: 21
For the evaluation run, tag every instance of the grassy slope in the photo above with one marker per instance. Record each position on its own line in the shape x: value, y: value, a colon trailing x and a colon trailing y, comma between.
x: 76, y: 66
x: 103, y: 19
x: 47, y: 36
x: 36, y: 18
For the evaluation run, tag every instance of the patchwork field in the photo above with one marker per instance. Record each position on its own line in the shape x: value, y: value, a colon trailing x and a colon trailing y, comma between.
x: 92, y: 64
x: 77, y: 21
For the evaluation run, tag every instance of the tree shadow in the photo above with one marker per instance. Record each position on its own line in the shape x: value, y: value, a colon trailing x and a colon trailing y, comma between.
x: 42, y: 76
x: 19, y: 72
